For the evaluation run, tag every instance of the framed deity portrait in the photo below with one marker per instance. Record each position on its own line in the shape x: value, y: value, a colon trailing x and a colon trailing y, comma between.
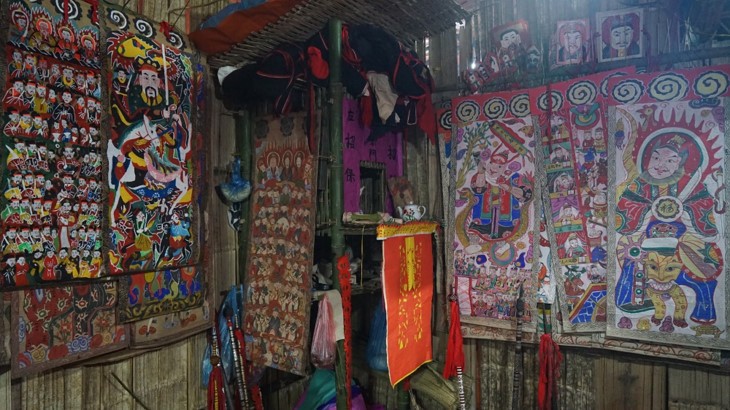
x: 572, y: 43
x: 621, y: 35
x: 514, y: 35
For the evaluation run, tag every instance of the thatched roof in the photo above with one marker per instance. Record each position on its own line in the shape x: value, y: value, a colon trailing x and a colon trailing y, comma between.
x: 407, y: 20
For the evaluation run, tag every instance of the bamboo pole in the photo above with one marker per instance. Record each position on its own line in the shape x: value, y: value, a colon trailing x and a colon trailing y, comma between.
x: 243, y: 149
x: 336, y: 188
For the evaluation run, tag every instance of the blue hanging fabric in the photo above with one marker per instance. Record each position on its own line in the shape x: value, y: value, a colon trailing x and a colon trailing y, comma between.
x: 232, y: 305
x: 377, y: 353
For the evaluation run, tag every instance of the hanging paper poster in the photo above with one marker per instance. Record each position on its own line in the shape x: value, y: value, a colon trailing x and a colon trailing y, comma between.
x: 407, y: 290
x: 278, y: 284
x: 667, y: 271
x: 361, y: 155
x: 621, y: 34
x: 50, y: 144
x: 152, y: 213
x: 575, y: 178
x: 495, y: 219
x: 58, y: 325
x: 154, y: 293
x: 571, y: 44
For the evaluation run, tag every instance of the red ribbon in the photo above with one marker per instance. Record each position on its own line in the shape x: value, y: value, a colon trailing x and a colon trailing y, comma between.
x: 165, y: 28
x: 94, y: 10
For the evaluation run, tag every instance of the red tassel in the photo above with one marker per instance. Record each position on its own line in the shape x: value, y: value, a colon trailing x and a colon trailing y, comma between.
x: 550, y: 359
x: 455, y: 347
x: 216, y: 396
x: 258, y: 401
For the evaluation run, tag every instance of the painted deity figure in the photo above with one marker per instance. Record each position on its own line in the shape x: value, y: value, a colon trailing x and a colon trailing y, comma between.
x: 671, y: 213
x: 501, y: 195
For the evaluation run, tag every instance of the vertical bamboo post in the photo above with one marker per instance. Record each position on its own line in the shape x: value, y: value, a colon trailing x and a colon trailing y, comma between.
x: 336, y: 186
x: 243, y: 149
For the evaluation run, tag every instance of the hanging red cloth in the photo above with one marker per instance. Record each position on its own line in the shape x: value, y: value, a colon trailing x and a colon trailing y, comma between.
x: 550, y: 359
x: 455, y: 347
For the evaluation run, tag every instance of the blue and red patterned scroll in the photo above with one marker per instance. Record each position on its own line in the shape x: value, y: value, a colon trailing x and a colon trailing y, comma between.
x: 51, y: 111
x: 575, y: 178
x: 155, y: 293
x: 667, y: 267
x: 496, y: 219
x: 59, y: 325
x: 386, y: 150
x: 407, y: 290
x: 278, y: 280
x: 152, y: 213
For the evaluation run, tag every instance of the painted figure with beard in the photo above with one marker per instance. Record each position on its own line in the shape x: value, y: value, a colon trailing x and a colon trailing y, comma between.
x: 147, y: 95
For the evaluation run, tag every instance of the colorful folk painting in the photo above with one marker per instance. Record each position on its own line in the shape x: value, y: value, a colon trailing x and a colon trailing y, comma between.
x: 279, y: 284
x: 152, y: 213
x: 407, y: 290
x: 64, y: 30
x: 366, y: 160
x: 571, y: 43
x: 621, y: 34
x: 167, y: 328
x: 148, y: 294
x: 59, y: 325
x: 575, y: 197
x: 50, y: 209
x: 495, y: 217
x: 667, y: 270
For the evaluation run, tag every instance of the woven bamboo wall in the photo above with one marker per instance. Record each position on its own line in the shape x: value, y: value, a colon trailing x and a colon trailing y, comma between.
x: 590, y: 379
x: 169, y: 377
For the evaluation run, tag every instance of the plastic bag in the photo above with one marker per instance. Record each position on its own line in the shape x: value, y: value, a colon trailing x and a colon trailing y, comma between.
x: 377, y: 353
x: 323, y: 341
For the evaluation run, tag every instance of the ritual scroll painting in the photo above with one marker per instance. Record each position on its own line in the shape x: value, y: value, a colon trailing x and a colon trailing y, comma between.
x: 152, y: 208
x: 575, y: 197
x: 278, y: 284
x: 51, y: 139
x: 495, y: 219
x: 667, y: 271
x: 148, y: 294
x: 57, y: 325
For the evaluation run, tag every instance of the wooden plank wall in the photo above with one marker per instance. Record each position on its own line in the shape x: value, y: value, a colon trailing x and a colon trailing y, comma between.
x: 589, y: 379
